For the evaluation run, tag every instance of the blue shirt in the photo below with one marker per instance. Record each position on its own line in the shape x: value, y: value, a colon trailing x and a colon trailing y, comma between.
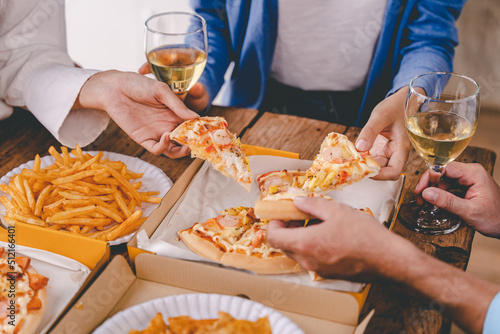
x: 417, y: 36
x: 492, y: 321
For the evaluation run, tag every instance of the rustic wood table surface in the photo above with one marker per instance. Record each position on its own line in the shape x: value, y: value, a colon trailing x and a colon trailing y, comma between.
x: 22, y: 137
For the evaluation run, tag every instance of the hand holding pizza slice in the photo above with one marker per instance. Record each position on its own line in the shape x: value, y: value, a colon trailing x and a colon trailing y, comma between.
x: 209, y: 139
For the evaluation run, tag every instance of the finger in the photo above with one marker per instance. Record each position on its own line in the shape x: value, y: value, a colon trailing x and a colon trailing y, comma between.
x: 164, y: 95
x: 176, y: 152
x: 422, y: 183
x: 281, y: 237
x: 465, y: 173
x: 197, y: 98
x: 447, y: 201
x: 156, y: 147
x: 318, y: 207
x: 388, y: 173
x: 145, y: 69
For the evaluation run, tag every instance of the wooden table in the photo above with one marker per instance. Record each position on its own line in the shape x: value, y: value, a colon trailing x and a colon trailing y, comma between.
x: 22, y: 137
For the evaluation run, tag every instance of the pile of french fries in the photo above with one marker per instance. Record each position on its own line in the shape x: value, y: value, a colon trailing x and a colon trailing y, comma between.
x: 83, y: 194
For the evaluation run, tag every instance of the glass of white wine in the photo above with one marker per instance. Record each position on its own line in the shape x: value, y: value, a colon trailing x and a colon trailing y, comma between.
x: 176, y: 48
x: 441, y: 115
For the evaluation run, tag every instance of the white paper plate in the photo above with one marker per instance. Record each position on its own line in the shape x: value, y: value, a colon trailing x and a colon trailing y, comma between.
x: 154, y: 179
x: 198, y: 306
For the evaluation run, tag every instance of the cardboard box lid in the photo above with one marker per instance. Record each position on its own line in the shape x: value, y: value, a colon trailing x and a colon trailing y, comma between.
x: 117, y: 288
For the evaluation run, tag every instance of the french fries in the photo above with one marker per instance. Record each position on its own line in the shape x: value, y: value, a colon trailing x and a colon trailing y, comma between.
x: 79, y: 193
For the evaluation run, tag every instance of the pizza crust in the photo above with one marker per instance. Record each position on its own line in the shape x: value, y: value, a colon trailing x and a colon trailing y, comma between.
x: 200, y: 245
x: 280, y: 209
x: 280, y: 264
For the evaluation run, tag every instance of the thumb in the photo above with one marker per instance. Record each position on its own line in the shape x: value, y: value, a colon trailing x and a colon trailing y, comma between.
x: 316, y: 206
x: 370, y: 131
x: 197, y: 98
x: 447, y: 201
x: 145, y: 69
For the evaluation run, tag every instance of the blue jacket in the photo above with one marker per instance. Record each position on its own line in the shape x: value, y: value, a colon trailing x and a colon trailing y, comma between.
x: 417, y: 36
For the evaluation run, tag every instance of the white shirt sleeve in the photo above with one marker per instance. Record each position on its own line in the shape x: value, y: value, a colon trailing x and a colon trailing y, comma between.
x: 492, y: 321
x: 36, y: 72
x: 50, y: 93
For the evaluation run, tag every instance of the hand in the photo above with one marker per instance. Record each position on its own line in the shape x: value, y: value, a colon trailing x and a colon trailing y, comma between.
x: 385, y: 136
x: 144, y: 108
x: 480, y: 208
x: 347, y: 244
x: 197, y: 98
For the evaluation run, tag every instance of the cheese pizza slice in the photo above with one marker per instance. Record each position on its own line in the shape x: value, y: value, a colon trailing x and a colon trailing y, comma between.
x: 209, y: 139
x: 238, y: 239
x: 337, y: 164
x: 277, y: 191
x: 23, y: 295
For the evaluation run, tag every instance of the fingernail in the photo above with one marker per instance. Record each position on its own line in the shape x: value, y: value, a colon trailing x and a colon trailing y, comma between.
x: 361, y: 145
x: 430, y: 195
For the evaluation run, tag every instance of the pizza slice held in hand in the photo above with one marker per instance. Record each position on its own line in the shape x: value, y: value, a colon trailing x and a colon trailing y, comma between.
x: 338, y: 164
x: 209, y: 139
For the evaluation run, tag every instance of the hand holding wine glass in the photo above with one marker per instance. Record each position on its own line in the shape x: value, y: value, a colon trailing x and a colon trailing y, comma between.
x: 176, y: 48
x: 441, y: 115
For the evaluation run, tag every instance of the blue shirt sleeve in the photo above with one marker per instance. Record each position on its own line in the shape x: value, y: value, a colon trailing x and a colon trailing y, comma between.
x: 492, y: 321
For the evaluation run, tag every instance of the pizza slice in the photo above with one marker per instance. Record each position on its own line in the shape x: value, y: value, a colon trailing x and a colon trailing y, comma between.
x: 337, y: 164
x: 238, y: 239
x: 209, y: 139
x: 277, y: 191
x: 23, y: 295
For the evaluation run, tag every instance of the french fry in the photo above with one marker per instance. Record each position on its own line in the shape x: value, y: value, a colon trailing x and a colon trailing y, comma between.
x: 53, y: 152
x: 25, y: 218
x: 41, y: 199
x: 75, y: 177
x: 65, y: 155
x: 72, y: 213
x: 17, y: 197
x: 37, y: 163
x: 121, y: 203
x: 8, y: 205
x: 29, y: 195
x: 123, y: 226
x: 122, y: 180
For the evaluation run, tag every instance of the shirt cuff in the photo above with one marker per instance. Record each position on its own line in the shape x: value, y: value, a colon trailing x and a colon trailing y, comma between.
x: 492, y: 321
x: 51, y: 92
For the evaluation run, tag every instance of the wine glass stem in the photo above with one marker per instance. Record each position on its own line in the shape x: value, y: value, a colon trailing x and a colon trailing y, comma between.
x: 435, y: 174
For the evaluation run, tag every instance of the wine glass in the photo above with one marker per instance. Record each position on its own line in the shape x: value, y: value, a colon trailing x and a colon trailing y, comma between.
x: 441, y: 115
x: 176, y: 48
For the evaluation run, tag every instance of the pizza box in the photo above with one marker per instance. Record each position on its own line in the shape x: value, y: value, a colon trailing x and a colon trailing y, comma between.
x: 71, y: 263
x: 117, y: 288
x: 313, y: 301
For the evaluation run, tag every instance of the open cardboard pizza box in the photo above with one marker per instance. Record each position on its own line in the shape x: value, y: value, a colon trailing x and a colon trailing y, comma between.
x: 117, y: 289
x: 314, y: 301
x: 70, y: 262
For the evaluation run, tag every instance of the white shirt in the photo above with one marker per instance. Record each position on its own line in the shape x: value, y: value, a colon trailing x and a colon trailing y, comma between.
x: 37, y: 73
x: 326, y: 44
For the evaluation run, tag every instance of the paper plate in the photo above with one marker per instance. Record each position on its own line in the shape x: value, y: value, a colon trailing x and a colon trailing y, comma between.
x: 197, y: 306
x: 154, y: 179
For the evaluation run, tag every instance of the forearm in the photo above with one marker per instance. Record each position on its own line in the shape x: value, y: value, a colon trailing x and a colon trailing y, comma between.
x: 465, y: 298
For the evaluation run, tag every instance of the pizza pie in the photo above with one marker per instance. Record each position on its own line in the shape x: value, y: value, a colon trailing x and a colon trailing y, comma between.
x: 277, y: 191
x: 238, y: 239
x: 209, y: 139
x: 23, y: 296
x: 337, y: 164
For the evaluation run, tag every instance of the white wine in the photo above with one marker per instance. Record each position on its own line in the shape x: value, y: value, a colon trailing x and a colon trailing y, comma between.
x: 178, y: 66
x: 439, y: 137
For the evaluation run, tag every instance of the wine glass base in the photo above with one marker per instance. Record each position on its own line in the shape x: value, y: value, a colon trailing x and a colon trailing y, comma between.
x: 426, y: 219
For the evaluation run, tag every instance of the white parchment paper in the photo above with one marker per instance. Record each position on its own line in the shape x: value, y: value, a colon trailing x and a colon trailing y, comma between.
x: 211, y: 192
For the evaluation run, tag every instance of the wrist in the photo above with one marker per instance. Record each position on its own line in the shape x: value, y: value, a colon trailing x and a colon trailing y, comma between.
x: 91, y: 93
